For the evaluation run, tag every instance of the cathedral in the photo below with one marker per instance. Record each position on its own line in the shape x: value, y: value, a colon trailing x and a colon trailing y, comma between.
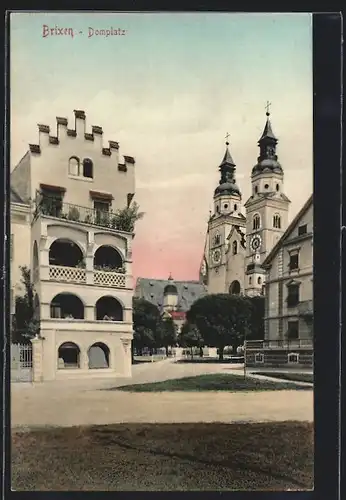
x: 236, y: 245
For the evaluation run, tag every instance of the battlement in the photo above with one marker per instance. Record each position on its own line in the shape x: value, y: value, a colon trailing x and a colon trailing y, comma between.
x: 79, y: 130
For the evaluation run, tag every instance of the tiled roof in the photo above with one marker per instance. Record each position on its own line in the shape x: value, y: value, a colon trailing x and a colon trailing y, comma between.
x: 152, y: 290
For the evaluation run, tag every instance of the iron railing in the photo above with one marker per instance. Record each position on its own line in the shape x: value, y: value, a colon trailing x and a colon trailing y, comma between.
x: 280, y: 344
x: 55, y: 207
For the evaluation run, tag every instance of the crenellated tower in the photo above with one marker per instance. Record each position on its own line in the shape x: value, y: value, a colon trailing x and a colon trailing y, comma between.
x: 222, y: 268
x: 266, y: 209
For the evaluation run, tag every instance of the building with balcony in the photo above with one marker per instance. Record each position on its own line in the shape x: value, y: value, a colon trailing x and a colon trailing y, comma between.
x: 288, y: 299
x: 77, y: 241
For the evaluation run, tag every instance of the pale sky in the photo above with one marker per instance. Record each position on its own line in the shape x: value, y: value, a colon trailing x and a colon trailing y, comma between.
x: 169, y: 90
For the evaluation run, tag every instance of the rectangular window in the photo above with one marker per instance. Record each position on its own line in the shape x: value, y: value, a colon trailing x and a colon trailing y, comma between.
x: 55, y: 311
x: 51, y: 203
x: 293, y: 296
x: 302, y: 229
x: 101, y: 206
x: 294, y: 261
x: 293, y: 330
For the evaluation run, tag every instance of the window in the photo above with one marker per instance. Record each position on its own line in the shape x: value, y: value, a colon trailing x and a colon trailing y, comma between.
x: 293, y: 295
x: 217, y: 209
x: 225, y: 206
x: 256, y: 189
x: 235, y: 248
x: 277, y: 221
x: 259, y: 280
x: 277, y: 187
x: 259, y: 357
x: 302, y: 229
x: 256, y: 222
x: 101, y: 206
x: 293, y: 357
x: 73, y: 165
x: 250, y: 280
x: 217, y: 239
x: 51, y: 202
x: 55, y: 311
x: 294, y: 261
x: 266, y: 186
x: 235, y: 207
x: 293, y: 330
x: 87, y: 168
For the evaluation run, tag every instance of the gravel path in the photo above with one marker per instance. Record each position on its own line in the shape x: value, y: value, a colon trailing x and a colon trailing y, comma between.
x: 83, y: 403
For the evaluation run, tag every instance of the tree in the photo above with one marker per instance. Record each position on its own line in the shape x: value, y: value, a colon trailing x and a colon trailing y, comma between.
x: 126, y: 218
x: 221, y: 319
x: 168, y: 332
x: 146, y: 324
x: 25, y: 322
x: 190, y: 336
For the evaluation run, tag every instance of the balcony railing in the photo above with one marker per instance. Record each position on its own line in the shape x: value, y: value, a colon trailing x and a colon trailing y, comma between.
x: 280, y: 344
x: 55, y: 207
x: 78, y: 275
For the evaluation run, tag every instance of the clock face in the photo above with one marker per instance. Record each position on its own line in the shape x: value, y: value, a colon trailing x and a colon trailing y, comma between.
x: 217, y: 256
x: 256, y: 243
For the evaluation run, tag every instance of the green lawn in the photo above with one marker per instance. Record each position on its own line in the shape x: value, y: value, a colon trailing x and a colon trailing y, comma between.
x: 164, y: 457
x: 298, y: 377
x: 212, y: 382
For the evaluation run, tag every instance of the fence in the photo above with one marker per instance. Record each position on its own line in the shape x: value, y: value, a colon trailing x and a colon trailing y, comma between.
x: 21, y: 363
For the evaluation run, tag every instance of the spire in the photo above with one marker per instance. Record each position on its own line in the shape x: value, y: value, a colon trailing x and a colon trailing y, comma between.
x: 227, y: 159
x: 227, y: 184
x: 267, y: 143
x: 170, y: 277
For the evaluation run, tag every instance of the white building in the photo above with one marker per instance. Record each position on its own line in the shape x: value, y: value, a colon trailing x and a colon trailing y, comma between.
x: 65, y: 194
x: 237, y: 244
x: 288, y: 298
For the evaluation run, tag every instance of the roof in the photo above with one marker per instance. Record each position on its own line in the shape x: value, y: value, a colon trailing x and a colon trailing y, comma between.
x: 302, y: 211
x: 268, y: 132
x: 153, y: 291
x: 227, y: 158
x: 14, y: 196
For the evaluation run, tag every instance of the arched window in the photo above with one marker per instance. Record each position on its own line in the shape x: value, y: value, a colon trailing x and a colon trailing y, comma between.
x: 98, y: 355
x: 109, y: 309
x: 234, y: 288
x: 256, y: 189
x: 256, y: 222
x: 73, y: 165
x: 68, y: 356
x: 87, y: 168
x: 277, y: 221
x: 66, y: 306
x: 217, y: 239
x: 259, y: 280
x: 277, y: 187
x: 235, y: 207
x: 250, y: 280
x: 63, y: 252
x: 107, y: 258
x: 234, y: 248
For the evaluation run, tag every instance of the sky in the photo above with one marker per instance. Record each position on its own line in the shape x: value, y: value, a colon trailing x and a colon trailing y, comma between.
x: 169, y: 90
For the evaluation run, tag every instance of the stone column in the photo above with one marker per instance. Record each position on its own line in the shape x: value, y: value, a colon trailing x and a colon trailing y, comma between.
x: 127, y: 361
x: 37, y: 359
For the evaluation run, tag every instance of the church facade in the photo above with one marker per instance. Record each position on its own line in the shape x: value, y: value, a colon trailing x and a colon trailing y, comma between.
x: 237, y: 244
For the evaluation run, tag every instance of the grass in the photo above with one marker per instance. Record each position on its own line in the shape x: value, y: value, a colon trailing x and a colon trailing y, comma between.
x: 164, y: 457
x: 213, y: 382
x: 297, y: 377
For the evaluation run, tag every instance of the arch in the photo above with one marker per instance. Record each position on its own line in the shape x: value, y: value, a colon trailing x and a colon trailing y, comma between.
x: 65, y: 252
x: 68, y: 356
x: 109, y: 308
x: 88, y: 168
x: 256, y: 222
x: 73, y: 165
x: 108, y: 258
x: 170, y: 290
x: 234, y: 288
x: 235, y: 247
x: 66, y: 306
x: 98, y: 356
x: 277, y: 221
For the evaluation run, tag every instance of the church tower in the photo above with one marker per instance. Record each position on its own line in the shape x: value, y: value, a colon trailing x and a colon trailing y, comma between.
x: 266, y: 209
x: 222, y: 268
